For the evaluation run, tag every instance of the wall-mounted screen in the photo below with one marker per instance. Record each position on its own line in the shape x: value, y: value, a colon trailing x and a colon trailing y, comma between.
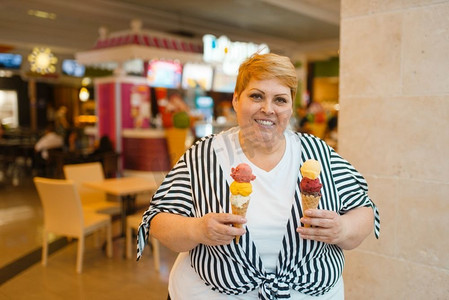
x: 223, y: 82
x: 197, y: 74
x: 164, y: 73
x: 71, y: 68
x: 10, y: 61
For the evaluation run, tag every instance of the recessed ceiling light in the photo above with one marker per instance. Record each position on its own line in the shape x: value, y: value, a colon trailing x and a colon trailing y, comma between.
x: 42, y: 14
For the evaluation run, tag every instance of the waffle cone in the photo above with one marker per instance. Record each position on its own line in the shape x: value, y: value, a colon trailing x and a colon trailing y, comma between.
x: 241, y: 211
x: 309, y: 202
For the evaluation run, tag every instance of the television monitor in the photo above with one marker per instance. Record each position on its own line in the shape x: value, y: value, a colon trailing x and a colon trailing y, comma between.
x: 197, y: 74
x: 223, y: 82
x: 205, y: 106
x: 71, y: 68
x: 10, y: 61
x: 164, y: 73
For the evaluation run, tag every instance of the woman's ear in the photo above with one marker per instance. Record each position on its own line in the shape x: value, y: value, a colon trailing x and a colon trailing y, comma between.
x: 234, y: 101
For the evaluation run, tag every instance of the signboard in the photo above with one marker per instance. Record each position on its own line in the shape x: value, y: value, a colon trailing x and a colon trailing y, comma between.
x: 230, y: 54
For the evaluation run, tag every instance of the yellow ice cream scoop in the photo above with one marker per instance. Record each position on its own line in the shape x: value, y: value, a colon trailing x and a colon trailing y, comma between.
x: 241, y: 188
x: 311, y: 169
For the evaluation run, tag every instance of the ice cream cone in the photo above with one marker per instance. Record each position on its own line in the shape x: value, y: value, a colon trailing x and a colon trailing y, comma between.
x: 241, y: 211
x: 309, y: 202
x: 240, y: 189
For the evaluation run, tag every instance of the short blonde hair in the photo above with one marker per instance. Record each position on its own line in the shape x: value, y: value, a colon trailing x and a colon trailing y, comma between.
x: 267, y: 66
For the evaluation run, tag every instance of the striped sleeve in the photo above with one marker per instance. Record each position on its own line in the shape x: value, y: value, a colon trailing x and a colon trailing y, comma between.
x: 175, y: 193
x: 352, y: 188
x: 173, y: 196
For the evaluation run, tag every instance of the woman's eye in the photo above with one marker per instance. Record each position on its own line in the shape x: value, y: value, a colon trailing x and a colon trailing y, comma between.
x: 256, y: 96
x: 281, y: 100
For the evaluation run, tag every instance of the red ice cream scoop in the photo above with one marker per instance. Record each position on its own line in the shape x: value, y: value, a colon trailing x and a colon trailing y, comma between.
x: 310, y: 186
x: 242, y: 173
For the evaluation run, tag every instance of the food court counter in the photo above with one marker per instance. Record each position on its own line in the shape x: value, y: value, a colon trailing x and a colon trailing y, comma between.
x: 145, y: 150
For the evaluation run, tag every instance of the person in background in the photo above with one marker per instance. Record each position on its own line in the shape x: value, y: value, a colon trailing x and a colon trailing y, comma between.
x: 49, y: 140
x: 73, y: 140
x: 276, y: 256
x: 104, y: 146
x: 61, y: 123
x: 331, y: 134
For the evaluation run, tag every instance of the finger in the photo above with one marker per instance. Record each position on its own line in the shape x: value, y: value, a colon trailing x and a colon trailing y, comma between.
x: 312, y: 237
x: 315, y: 222
x: 233, y: 231
x: 227, y: 231
x: 306, y: 232
x: 325, y: 235
x: 306, y: 221
x: 223, y: 239
x: 231, y: 219
x: 309, y: 234
x: 318, y: 213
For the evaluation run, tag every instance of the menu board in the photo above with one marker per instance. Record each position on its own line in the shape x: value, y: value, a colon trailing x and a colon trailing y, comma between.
x: 164, y: 73
x: 197, y: 74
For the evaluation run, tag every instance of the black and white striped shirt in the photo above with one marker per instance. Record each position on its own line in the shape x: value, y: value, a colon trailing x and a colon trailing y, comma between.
x: 197, y: 186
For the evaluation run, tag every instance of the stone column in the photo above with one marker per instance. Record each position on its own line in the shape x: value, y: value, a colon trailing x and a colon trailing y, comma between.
x: 394, y: 127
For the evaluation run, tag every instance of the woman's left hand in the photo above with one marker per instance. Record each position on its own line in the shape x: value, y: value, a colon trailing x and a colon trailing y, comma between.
x: 327, y: 226
x: 346, y: 231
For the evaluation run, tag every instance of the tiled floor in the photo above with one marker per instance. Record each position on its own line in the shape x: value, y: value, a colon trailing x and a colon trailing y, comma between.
x: 21, y: 222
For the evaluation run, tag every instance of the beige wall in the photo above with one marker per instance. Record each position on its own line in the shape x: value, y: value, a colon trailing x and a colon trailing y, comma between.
x: 394, y: 127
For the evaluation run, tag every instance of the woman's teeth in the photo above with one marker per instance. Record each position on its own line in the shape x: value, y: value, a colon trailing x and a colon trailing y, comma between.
x: 265, y: 122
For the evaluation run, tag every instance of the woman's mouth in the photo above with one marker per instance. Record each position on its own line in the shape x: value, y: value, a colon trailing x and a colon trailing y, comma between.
x: 264, y: 122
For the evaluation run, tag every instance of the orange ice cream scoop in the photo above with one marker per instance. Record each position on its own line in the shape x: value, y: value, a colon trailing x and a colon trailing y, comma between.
x: 241, y: 188
x: 311, y: 169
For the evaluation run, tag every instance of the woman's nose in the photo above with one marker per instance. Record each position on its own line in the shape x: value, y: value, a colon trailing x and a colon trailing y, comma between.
x: 267, y: 107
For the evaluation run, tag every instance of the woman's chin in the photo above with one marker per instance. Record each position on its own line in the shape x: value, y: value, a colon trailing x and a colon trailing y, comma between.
x: 267, y: 137
x: 261, y: 134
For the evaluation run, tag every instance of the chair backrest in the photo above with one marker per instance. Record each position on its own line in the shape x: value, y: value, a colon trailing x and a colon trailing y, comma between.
x: 80, y: 173
x: 63, y: 213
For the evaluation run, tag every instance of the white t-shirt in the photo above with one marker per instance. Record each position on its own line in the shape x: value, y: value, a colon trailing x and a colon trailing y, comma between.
x: 267, y: 216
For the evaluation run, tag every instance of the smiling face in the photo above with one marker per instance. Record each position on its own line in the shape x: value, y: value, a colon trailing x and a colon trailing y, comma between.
x: 263, y: 111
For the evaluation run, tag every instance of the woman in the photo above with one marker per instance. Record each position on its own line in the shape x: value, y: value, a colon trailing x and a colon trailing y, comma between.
x: 276, y: 256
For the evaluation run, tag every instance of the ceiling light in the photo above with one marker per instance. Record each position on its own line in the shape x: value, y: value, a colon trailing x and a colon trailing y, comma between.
x: 84, y: 94
x: 86, y: 81
x: 42, y: 14
x: 42, y: 61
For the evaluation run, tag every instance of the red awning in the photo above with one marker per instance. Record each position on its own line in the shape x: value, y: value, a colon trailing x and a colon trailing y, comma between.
x: 144, y: 39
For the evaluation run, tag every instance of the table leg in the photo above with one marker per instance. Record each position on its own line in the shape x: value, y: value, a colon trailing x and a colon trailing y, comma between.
x: 128, y: 207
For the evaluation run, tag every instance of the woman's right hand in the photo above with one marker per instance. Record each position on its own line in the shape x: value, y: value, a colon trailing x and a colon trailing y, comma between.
x: 181, y: 233
x: 215, y: 228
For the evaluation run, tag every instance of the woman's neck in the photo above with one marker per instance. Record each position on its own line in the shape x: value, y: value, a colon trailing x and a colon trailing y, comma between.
x: 264, y: 155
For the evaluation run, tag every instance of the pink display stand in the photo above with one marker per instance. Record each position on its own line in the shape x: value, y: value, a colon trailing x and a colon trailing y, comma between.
x: 123, y: 103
